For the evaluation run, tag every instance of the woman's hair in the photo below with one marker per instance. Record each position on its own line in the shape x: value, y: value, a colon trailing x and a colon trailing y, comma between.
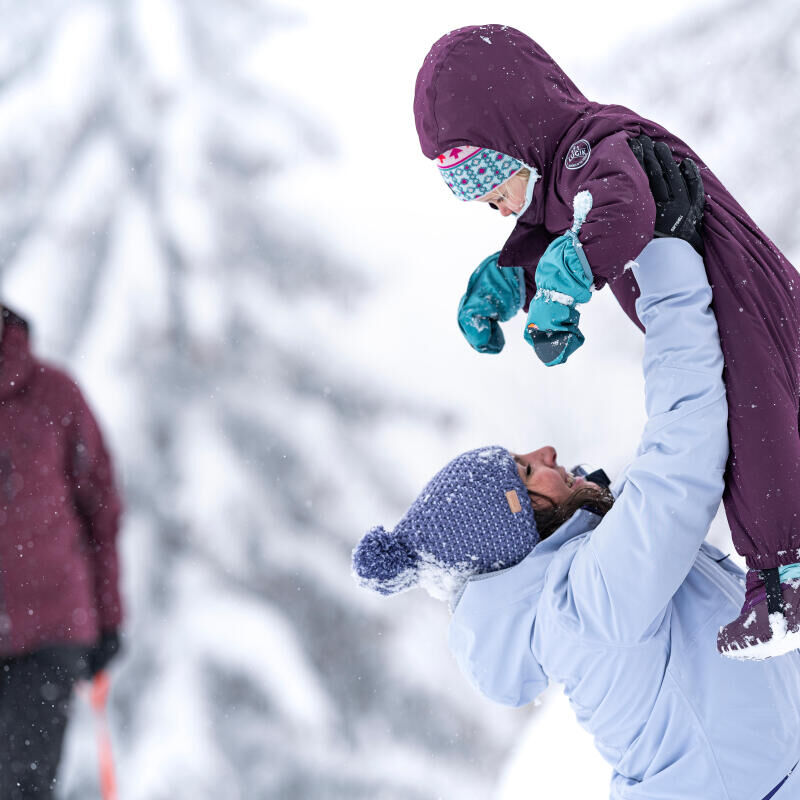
x: 523, y: 173
x: 595, y: 498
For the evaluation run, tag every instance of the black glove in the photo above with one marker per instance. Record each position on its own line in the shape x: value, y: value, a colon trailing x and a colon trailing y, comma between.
x: 106, y: 648
x: 677, y: 190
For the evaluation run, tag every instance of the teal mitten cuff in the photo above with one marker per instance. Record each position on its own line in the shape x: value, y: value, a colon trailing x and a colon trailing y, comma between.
x: 563, y: 279
x: 494, y: 294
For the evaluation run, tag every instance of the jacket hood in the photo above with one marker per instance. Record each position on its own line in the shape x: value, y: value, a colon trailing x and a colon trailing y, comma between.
x: 497, y: 614
x: 16, y: 360
x: 493, y: 86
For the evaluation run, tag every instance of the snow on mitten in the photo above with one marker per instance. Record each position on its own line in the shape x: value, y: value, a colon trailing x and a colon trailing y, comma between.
x: 563, y: 279
x: 474, y: 516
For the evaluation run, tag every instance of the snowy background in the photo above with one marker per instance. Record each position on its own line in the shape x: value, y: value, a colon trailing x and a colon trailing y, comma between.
x: 216, y: 215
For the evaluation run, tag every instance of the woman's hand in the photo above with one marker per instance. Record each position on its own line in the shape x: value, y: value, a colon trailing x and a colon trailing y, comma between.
x: 677, y: 190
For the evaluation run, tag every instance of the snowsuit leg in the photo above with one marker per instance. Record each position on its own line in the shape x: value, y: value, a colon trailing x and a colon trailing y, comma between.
x: 759, y: 322
x: 35, y: 691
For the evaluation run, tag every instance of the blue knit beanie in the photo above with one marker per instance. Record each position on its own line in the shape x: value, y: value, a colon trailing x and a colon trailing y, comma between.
x: 474, y: 516
x: 472, y: 172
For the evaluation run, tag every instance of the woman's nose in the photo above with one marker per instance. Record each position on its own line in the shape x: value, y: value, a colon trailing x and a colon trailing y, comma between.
x: 544, y: 455
x: 504, y: 210
x: 548, y: 455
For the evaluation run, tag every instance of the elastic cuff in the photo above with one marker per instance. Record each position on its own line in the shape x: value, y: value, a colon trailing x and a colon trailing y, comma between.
x: 552, y: 296
x: 789, y: 572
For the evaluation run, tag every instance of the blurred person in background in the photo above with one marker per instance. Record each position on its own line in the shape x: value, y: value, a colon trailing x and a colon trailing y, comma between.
x: 506, y: 126
x: 60, y: 609
x: 613, y: 592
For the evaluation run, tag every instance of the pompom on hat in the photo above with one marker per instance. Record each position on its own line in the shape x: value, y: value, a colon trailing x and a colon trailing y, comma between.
x: 474, y: 516
x: 472, y: 172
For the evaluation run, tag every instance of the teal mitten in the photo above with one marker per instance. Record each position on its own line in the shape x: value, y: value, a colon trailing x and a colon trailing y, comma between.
x: 563, y: 279
x: 494, y: 294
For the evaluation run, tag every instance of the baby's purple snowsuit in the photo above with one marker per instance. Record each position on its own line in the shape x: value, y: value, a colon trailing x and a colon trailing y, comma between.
x: 494, y: 87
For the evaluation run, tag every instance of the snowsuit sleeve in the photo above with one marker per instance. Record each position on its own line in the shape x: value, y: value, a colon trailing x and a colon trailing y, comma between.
x: 98, y: 503
x: 622, y: 218
x: 645, y: 546
x: 620, y: 224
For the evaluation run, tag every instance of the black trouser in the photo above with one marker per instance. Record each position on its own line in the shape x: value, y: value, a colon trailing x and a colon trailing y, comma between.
x: 35, y: 691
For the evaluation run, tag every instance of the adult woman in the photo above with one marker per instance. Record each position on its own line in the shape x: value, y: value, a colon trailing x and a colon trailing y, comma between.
x: 621, y: 602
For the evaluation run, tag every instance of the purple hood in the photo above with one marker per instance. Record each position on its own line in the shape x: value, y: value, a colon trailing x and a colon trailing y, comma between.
x: 506, y: 74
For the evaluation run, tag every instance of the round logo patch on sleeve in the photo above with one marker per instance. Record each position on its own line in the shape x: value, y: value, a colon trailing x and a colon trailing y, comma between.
x: 578, y: 154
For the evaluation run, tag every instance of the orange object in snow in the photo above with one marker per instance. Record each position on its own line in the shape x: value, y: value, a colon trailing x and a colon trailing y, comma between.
x: 98, y: 697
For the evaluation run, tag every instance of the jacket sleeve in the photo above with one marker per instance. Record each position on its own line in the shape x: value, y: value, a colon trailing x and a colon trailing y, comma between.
x: 626, y: 574
x: 622, y: 218
x: 96, y: 498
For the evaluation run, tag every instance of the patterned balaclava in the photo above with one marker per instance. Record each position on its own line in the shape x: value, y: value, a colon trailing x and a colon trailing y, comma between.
x: 472, y: 172
x: 473, y: 517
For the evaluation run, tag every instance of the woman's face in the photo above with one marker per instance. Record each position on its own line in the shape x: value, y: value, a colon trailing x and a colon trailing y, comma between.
x: 541, y: 474
x: 509, y: 196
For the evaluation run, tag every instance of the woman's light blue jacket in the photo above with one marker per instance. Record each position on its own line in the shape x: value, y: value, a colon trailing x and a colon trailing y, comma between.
x: 624, y: 611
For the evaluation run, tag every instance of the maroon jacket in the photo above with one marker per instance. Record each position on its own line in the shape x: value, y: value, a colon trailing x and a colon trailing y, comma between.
x: 59, y: 510
x: 494, y: 87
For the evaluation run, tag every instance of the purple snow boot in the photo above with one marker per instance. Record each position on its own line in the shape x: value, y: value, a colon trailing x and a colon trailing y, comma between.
x: 769, y: 624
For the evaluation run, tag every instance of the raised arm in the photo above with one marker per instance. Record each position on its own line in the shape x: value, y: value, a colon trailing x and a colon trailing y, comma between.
x: 643, y: 549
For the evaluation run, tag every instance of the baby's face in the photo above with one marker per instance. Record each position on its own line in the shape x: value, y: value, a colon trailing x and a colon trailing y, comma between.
x: 509, y: 196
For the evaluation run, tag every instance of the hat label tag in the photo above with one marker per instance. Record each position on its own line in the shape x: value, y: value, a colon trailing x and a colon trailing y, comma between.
x: 513, y: 501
